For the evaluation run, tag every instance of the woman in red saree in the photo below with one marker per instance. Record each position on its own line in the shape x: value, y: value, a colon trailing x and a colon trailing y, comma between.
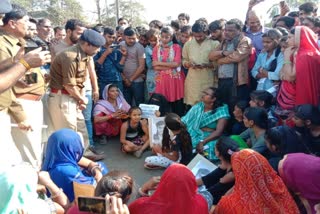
x: 258, y: 188
x: 175, y: 194
x: 301, y: 70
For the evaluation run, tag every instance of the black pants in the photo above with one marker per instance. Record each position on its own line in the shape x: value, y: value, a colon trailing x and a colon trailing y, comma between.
x: 178, y: 107
x: 225, y: 87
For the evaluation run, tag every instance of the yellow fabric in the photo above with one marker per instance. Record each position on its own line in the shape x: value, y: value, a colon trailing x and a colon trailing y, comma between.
x: 198, y: 79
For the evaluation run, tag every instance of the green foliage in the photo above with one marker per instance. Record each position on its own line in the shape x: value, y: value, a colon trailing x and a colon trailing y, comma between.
x: 129, y: 9
x: 58, y: 11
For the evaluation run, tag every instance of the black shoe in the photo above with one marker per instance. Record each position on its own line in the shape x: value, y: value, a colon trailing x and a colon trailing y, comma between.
x: 95, y: 151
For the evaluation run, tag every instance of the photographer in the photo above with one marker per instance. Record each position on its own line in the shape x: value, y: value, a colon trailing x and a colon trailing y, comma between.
x: 109, y: 62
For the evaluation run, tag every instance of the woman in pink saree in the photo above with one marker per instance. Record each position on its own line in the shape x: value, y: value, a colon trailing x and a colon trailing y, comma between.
x: 301, y: 70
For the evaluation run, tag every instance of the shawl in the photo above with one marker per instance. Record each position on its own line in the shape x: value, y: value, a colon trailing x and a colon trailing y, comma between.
x: 106, y: 107
x: 257, y: 189
x: 175, y: 194
x: 301, y: 174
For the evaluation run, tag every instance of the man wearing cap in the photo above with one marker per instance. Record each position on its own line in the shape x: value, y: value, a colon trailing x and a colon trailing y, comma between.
x: 68, y: 74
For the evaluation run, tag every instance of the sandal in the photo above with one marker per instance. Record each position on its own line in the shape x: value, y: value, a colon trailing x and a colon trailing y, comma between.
x: 148, y: 166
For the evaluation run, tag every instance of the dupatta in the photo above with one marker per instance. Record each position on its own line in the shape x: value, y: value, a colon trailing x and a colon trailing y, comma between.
x: 64, y: 151
x: 257, y: 189
x: 307, y: 61
x: 306, y: 88
x: 106, y: 107
x: 175, y: 194
x: 301, y: 174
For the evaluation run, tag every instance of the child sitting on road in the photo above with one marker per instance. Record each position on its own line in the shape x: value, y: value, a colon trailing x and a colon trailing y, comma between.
x: 176, y: 145
x: 134, y: 134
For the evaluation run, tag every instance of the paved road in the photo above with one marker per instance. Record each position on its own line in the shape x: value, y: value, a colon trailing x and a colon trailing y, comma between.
x: 115, y: 159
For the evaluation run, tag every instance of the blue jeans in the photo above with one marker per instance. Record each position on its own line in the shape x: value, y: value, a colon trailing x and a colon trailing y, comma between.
x: 136, y: 92
x: 87, y: 114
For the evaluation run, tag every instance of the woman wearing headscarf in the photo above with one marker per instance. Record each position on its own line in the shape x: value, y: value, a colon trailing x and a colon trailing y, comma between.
x: 300, y: 73
x: 301, y: 173
x: 257, y: 189
x: 176, y: 194
x: 65, y: 162
x: 109, y: 111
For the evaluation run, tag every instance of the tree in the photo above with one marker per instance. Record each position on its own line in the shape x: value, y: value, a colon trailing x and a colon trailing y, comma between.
x: 58, y: 11
x: 130, y: 9
x: 293, y: 5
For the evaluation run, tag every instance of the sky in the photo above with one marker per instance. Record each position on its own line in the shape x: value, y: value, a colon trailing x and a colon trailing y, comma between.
x: 169, y: 9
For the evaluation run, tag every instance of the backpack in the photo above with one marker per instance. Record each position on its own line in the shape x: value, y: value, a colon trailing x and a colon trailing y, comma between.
x: 161, y: 101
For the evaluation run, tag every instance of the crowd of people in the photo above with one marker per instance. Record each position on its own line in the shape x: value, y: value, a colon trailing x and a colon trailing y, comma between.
x: 243, y: 95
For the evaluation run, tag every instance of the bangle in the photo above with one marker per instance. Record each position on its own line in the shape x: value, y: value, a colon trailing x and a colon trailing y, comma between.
x: 287, y: 62
x: 57, y: 194
x: 93, y: 173
x: 25, y: 64
x: 142, y: 193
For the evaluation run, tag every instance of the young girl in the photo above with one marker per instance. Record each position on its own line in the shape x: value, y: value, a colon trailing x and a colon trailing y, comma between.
x: 134, y: 134
x: 153, y: 39
x: 220, y: 180
x: 269, y: 63
x: 166, y: 63
x: 176, y: 145
x: 256, y: 120
x: 238, y: 125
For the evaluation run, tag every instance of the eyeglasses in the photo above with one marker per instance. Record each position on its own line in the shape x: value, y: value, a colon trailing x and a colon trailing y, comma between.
x: 206, y: 93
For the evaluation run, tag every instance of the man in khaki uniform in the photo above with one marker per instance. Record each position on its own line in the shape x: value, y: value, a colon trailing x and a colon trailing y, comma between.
x: 68, y: 74
x: 11, y: 34
x: 29, y: 94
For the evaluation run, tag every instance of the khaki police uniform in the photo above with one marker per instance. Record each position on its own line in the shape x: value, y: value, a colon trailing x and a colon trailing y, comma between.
x: 29, y: 143
x: 68, y: 68
x: 9, y: 154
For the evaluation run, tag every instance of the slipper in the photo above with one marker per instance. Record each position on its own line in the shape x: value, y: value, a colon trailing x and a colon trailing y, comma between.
x: 148, y: 166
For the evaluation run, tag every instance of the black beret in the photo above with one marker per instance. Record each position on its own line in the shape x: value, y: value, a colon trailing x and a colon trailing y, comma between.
x: 92, y: 37
x: 5, y: 6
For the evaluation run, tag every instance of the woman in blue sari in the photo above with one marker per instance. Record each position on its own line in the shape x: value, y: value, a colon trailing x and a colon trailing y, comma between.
x: 206, y: 121
x: 65, y: 162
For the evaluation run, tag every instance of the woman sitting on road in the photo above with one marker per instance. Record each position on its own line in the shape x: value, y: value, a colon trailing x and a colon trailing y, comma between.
x: 109, y: 112
x: 65, y: 162
x: 206, y: 121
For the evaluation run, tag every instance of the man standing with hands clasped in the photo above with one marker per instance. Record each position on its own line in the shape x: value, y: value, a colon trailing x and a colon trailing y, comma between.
x: 68, y: 74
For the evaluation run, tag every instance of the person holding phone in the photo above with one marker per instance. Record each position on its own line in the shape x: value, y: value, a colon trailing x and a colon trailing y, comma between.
x: 112, y: 191
x: 109, y: 62
x: 29, y: 91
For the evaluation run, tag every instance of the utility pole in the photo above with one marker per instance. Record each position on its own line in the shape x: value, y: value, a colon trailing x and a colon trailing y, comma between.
x: 117, y: 12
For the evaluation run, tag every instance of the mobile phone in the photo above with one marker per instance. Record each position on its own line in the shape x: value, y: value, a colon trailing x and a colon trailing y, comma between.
x: 31, y: 78
x: 115, y: 46
x: 282, y: 3
x: 92, y: 204
x: 28, y: 49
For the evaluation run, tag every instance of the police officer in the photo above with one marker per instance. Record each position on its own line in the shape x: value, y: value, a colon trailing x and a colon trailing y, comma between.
x: 68, y: 74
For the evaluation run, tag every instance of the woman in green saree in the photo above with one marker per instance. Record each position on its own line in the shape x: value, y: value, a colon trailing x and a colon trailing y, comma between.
x: 206, y: 121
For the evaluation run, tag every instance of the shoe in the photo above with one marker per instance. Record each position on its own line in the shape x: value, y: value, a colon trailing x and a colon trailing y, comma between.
x: 95, y: 151
x: 148, y: 166
x: 103, y: 140
x: 138, y: 153
x: 90, y: 155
